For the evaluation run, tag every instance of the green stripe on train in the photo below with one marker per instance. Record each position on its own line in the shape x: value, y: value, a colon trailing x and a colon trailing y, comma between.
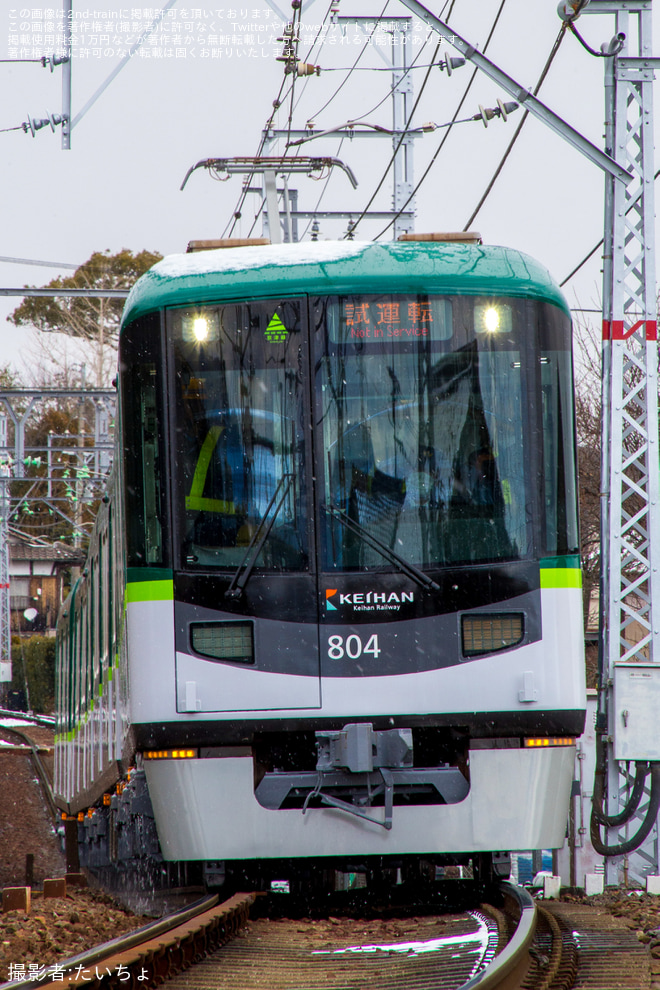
x: 561, y: 572
x: 150, y: 591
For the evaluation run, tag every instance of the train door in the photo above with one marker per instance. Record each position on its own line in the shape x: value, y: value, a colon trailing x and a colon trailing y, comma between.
x: 245, y: 591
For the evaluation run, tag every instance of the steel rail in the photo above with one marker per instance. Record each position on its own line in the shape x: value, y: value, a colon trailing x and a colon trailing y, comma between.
x: 166, y: 947
x: 510, y: 966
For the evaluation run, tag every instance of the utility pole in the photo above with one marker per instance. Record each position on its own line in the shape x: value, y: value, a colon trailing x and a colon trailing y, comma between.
x: 402, y: 143
x: 630, y: 478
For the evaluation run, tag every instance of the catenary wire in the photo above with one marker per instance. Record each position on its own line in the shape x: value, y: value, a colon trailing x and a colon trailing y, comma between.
x: 454, y: 120
x: 594, y: 249
x: 412, y: 65
x: 555, y: 48
x: 231, y: 224
x: 400, y: 141
x: 377, y: 21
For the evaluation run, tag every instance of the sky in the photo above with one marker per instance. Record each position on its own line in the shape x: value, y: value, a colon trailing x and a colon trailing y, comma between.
x: 203, y: 86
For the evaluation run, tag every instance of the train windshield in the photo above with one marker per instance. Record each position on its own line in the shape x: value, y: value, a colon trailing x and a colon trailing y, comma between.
x: 424, y: 441
x: 442, y: 432
x: 239, y: 438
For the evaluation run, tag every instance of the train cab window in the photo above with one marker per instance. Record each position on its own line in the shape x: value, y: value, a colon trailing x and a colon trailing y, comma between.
x: 140, y: 366
x: 559, y: 457
x: 239, y: 466
x: 420, y: 431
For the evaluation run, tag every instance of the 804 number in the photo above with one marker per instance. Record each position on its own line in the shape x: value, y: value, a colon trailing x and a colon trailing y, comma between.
x: 352, y: 647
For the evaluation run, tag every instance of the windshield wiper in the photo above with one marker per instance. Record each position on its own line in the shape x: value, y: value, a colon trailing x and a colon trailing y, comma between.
x: 261, y: 534
x: 420, y: 578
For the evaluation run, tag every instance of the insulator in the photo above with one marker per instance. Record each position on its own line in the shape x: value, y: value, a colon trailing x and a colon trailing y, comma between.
x: 315, y: 230
x: 451, y: 63
x: 428, y: 127
x: 485, y: 113
x: 34, y: 125
x: 569, y: 10
x: 305, y: 69
x: 504, y: 109
x: 53, y: 60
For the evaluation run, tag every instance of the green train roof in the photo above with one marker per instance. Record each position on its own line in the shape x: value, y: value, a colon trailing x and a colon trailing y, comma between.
x: 338, y: 268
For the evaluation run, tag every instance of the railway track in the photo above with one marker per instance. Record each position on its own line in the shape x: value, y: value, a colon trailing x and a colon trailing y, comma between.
x: 518, y: 945
x: 25, y: 741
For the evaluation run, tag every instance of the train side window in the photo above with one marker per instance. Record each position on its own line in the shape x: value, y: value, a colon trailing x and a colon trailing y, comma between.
x: 559, y: 457
x: 141, y: 397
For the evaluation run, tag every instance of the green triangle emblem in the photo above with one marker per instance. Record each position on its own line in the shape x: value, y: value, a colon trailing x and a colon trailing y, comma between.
x: 276, y: 332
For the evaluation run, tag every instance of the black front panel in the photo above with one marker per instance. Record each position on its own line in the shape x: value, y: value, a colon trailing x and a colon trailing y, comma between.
x: 404, y: 466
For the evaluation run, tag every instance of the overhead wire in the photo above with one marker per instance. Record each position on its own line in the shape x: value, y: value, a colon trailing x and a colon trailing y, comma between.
x: 454, y: 120
x: 360, y: 54
x: 387, y: 95
x: 404, y: 133
x: 264, y: 137
x: 352, y: 68
x: 276, y: 104
x: 324, y: 190
x: 405, y: 71
x: 596, y: 247
x: 231, y: 224
x: 383, y: 68
x: 297, y: 14
x: 546, y: 68
x: 408, y: 69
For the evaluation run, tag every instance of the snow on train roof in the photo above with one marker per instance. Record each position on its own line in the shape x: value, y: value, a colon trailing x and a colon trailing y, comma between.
x: 227, y: 260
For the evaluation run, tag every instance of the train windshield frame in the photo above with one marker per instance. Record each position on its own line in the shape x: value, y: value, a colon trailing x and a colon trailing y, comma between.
x: 442, y: 428
x: 240, y: 462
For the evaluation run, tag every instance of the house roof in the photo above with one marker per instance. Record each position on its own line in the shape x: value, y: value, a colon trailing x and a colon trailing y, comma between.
x: 23, y: 547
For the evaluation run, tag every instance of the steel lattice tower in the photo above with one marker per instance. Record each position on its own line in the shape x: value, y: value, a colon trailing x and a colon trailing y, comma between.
x: 630, y: 481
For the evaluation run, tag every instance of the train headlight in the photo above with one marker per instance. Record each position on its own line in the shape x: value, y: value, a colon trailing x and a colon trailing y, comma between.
x: 490, y: 632
x: 200, y: 328
x: 492, y: 318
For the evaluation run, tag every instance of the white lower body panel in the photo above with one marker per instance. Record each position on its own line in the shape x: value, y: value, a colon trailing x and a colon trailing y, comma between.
x: 206, y: 809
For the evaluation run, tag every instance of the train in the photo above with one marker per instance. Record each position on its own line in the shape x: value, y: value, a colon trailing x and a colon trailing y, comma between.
x: 331, y: 617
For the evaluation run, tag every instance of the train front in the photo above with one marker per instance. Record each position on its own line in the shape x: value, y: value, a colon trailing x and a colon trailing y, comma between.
x: 353, y: 603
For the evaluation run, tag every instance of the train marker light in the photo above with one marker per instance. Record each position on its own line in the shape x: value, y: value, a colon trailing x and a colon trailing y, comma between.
x: 543, y: 742
x: 170, y: 754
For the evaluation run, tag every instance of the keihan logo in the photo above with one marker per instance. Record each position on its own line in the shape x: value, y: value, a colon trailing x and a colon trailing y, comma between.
x: 369, y: 601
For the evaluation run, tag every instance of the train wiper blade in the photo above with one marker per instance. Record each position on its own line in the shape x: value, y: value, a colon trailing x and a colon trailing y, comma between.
x: 414, y: 573
x: 261, y: 534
